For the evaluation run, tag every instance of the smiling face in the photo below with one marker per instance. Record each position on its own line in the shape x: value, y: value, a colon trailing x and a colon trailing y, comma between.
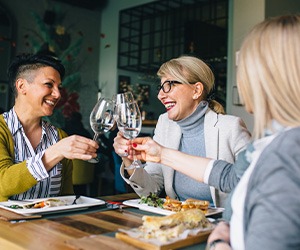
x: 182, y: 100
x: 40, y: 91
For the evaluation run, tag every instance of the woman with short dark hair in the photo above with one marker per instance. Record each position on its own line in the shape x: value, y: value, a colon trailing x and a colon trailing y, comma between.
x: 35, y: 155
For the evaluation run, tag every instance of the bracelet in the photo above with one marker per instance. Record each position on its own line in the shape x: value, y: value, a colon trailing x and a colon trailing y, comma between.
x: 213, y: 244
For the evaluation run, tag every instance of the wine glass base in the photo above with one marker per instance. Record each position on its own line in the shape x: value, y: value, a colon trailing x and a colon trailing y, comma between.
x: 94, y: 160
x: 134, y: 165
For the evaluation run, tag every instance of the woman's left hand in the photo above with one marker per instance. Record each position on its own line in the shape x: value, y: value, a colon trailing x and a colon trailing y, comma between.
x: 221, y: 231
x: 146, y: 149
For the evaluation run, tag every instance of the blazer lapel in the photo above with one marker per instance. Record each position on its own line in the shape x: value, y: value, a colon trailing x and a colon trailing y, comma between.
x: 173, y: 137
x: 211, y: 135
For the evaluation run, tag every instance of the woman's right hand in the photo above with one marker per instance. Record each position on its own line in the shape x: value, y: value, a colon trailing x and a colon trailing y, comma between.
x: 71, y: 147
x: 121, y: 145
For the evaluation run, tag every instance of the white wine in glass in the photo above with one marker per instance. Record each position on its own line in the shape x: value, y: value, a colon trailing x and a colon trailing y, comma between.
x: 101, y: 119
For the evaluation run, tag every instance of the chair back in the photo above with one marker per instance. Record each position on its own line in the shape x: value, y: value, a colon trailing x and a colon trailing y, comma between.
x: 83, y: 172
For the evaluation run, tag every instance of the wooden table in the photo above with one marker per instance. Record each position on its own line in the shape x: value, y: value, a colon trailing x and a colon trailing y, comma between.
x: 73, y: 231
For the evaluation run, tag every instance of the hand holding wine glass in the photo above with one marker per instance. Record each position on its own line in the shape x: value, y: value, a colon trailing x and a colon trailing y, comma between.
x: 101, y: 119
x: 129, y: 123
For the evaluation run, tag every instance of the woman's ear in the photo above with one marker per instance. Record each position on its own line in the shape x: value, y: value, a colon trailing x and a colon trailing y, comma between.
x: 21, y: 86
x: 198, y: 90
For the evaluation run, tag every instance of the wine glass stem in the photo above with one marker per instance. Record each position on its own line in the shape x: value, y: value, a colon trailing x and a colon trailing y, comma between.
x: 135, y: 162
x: 95, y: 138
x: 96, y: 135
x: 133, y: 153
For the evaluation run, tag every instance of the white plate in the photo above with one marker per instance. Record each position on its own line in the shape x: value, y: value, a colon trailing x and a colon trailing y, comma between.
x: 158, y: 210
x: 82, y: 202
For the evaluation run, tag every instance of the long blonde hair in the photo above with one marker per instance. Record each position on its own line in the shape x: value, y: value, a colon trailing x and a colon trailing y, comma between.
x: 268, y: 74
x: 189, y: 70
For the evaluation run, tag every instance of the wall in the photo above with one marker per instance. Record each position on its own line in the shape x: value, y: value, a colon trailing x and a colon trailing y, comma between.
x: 244, y: 15
x: 84, y: 20
x: 109, y: 56
x: 281, y: 7
x: 108, y: 74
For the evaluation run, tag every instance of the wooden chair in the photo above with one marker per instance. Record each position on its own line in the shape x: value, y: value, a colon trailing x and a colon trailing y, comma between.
x: 83, y: 174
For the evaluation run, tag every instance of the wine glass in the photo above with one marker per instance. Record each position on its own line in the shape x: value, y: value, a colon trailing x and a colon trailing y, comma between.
x: 101, y: 119
x: 129, y: 123
x: 122, y: 98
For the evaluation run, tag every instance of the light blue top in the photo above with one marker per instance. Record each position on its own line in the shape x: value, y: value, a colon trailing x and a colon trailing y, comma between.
x: 193, y: 143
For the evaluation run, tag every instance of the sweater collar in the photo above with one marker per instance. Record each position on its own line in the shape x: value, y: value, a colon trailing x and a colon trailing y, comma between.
x: 192, y: 121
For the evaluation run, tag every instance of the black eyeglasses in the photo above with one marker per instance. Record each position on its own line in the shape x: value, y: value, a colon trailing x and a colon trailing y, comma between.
x: 166, y: 86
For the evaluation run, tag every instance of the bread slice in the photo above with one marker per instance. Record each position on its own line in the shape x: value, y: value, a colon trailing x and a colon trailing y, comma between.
x: 190, y: 218
x: 194, y: 203
x: 167, y: 227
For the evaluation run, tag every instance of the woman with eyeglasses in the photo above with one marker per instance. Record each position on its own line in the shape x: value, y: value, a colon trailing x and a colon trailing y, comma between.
x: 193, y: 124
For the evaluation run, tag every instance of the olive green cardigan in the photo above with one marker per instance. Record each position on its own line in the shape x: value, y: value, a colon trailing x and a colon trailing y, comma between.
x: 16, y: 178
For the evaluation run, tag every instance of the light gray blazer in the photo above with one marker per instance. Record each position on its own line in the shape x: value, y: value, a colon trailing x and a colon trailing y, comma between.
x: 225, y: 136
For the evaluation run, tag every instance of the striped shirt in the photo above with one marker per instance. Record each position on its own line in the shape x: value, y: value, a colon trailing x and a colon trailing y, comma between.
x: 48, y: 183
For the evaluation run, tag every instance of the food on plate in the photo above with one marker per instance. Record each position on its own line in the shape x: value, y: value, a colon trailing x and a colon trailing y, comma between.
x: 172, y: 204
x: 51, y: 202
x: 152, y: 200
x: 15, y: 206
x: 46, y: 203
x: 193, y: 203
x: 167, y: 227
x: 176, y: 205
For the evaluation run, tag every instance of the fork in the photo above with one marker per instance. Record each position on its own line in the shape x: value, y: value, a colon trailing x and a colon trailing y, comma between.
x: 76, y: 198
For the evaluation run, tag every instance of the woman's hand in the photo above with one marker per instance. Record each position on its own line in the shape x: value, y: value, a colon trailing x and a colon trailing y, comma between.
x: 77, y: 147
x: 71, y: 147
x: 147, y: 149
x: 221, y: 231
x: 121, y: 145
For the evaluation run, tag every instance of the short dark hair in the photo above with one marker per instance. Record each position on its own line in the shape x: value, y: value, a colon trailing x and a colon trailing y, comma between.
x: 25, y: 62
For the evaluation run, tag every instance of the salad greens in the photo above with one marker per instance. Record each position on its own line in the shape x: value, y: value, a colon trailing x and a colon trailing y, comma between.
x: 152, y: 200
x: 15, y: 206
